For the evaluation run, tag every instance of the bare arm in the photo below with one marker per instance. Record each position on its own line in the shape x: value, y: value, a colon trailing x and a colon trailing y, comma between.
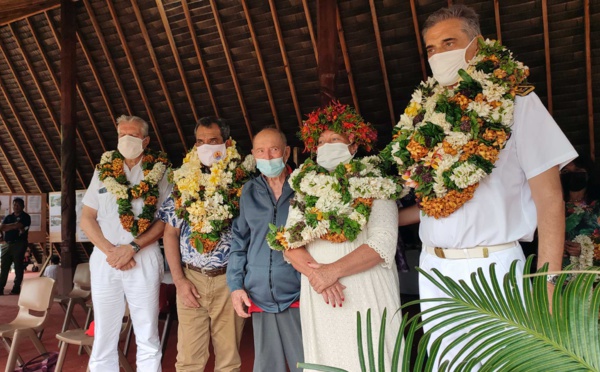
x: 547, y: 195
x: 185, y: 288
x: 90, y: 227
x: 408, y: 215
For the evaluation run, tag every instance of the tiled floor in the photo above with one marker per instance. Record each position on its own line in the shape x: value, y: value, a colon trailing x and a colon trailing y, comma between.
x: 74, y: 362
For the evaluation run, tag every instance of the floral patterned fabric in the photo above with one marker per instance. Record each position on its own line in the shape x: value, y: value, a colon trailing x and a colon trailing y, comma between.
x: 583, y: 219
x: 214, y: 259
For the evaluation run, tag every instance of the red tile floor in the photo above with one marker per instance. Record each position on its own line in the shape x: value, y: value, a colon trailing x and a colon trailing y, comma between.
x: 74, y: 362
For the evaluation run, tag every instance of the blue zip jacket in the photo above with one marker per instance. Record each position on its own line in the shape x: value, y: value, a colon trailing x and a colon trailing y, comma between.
x: 271, y: 283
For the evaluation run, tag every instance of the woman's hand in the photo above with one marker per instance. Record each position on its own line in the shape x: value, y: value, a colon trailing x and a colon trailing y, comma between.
x: 322, y: 276
x: 572, y: 248
x: 334, y: 295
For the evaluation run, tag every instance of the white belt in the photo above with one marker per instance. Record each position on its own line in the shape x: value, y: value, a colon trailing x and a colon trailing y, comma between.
x: 462, y: 253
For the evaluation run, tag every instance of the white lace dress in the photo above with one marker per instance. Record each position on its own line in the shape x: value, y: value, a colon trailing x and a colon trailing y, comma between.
x: 329, y: 334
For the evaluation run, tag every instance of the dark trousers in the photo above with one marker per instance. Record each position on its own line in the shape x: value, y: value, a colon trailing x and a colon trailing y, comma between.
x: 13, y: 252
x: 277, y: 341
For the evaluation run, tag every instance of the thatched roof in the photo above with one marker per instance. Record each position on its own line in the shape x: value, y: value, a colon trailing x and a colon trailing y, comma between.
x: 254, y: 63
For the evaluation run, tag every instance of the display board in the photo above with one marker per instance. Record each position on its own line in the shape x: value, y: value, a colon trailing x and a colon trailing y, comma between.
x: 55, y: 216
x: 36, y: 207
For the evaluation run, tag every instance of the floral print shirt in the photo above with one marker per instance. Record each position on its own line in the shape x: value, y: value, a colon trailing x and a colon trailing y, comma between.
x: 214, y: 259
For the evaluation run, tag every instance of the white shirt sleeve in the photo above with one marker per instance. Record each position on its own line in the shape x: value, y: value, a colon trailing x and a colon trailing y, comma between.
x: 90, y: 198
x: 540, y: 142
x: 164, y: 191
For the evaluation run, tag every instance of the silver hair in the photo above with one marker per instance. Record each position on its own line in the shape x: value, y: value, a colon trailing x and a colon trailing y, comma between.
x: 468, y: 16
x: 133, y: 119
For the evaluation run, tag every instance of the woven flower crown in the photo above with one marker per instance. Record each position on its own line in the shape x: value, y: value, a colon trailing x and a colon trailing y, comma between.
x: 338, y: 118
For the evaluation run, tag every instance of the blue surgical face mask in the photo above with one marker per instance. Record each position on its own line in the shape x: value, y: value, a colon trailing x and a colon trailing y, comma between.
x: 270, y: 167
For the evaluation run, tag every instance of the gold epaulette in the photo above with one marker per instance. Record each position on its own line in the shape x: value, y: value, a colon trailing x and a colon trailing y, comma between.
x: 523, y: 90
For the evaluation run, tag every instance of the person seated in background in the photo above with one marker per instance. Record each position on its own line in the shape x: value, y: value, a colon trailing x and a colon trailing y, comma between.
x: 582, y: 211
x: 52, y: 270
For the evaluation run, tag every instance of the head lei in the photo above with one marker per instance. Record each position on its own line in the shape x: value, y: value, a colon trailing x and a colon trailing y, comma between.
x: 341, y: 119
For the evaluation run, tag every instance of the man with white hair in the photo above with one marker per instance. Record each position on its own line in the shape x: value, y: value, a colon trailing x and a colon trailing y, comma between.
x: 119, y: 216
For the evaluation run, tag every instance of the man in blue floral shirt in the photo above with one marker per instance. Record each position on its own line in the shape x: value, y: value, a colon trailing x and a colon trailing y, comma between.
x: 203, y: 305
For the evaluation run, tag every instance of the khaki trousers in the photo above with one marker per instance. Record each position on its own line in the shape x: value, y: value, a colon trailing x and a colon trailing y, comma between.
x: 216, y: 319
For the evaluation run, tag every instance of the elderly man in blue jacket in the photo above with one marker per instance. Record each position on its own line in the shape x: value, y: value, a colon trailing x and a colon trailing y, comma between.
x: 262, y: 283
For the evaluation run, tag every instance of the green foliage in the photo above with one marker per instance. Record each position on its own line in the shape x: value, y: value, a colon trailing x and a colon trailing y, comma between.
x: 508, y: 325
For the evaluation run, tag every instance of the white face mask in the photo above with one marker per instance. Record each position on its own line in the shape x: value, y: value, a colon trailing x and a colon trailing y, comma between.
x: 210, y: 154
x: 330, y: 155
x: 130, y: 147
x: 445, y: 65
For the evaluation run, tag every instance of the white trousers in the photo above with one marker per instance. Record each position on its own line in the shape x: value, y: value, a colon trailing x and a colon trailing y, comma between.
x: 138, y: 286
x: 461, y: 269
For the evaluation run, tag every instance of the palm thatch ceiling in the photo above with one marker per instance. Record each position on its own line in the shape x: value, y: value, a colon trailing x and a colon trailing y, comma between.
x: 254, y: 62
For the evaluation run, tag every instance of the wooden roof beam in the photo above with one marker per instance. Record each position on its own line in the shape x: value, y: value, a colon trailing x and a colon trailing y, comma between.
x: 547, y: 54
x: 45, y: 99
x: 161, y: 78
x: 136, y: 76
x: 12, y: 166
x: 327, y: 66
x: 96, y: 75
x: 6, y: 180
x: 175, y: 52
x: 311, y: 31
x: 17, y: 145
x: 79, y: 91
x: 497, y: 18
x: 261, y: 64
x: 386, y: 82
x: 286, y: 62
x: 413, y: 10
x: 588, y: 74
x: 11, y: 10
x: 107, y: 55
x: 190, y: 23
x: 231, y: 66
x: 18, y: 119
x: 346, y: 56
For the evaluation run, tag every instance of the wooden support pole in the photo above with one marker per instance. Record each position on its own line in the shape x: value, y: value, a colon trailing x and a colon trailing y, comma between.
x: 497, y: 17
x: 588, y: 74
x: 326, y: 45
x: 547, y: 54
x: 68, y: 124
x: 413, y: 10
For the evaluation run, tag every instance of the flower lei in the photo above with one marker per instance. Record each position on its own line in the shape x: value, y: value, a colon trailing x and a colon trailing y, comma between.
x: 448, y: 139
x: 209, y: 201
x: 586, y: 258
x: 333, y: 206
x: 112, y: 174
x: 340, y: 119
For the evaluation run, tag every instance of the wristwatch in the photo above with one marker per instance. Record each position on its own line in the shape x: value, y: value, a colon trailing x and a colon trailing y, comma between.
x: 136, y: 247
x: 552, y: 278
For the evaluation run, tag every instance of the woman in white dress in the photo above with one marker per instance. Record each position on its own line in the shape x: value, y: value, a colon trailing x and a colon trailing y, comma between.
x: 348, y: 272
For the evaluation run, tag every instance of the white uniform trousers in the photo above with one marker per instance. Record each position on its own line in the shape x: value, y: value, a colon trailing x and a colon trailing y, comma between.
x: 461, y: 269
x: 110, y: 288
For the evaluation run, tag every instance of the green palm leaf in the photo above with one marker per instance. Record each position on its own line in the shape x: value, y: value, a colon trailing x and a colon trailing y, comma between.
x: 506, y: 326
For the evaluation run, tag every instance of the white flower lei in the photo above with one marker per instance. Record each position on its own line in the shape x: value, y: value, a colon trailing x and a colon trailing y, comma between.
x: 189, y: 179
x: 121, y: 191
x: 370, y: 184
x: 586, y: 258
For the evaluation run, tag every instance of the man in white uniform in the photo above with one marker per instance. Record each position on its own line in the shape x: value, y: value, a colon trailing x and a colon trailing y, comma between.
x: 126, y: 264
x: 522, y: 192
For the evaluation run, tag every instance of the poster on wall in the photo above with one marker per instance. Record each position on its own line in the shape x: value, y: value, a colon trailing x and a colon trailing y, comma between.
x: 55, y: 216
x: 34, y: 204
x: 5, y: 208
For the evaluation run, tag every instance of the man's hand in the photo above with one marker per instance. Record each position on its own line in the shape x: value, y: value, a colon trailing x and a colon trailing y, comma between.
x: 572, y: 248
x: 322, y: 276
x: 120, y: 256
x: 334, y: 295
x: 239, y: 298
x: 129, y: 265
x: 187, y: 292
